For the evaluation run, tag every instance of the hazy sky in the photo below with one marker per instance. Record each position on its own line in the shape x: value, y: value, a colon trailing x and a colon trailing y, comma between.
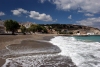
x: 83, y: 12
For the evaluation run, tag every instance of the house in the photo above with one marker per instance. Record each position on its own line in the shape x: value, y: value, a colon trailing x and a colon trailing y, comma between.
x: 90, y: 33
x: 2, y: 30
x: 2, y: 27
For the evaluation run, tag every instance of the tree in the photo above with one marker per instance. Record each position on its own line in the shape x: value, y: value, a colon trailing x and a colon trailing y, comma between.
x: 70, y: 32
x: 11, y: 25
x: 33, y: 28
x: 23, y: 29
x: 28, y: 30
x: 44, y: 30
x: 38, y: 28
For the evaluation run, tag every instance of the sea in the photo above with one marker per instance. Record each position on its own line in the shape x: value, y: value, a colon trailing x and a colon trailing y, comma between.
x: 83, y: 50
x: 75, y: 51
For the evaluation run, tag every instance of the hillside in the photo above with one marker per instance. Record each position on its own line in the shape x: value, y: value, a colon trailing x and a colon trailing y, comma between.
x: 69, y: 28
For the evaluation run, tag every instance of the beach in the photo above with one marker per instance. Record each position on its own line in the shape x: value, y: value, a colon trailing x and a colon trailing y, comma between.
x: 9, y: 39
x: 26, y: 45
x: 49, y: 50
x: 13, y: 47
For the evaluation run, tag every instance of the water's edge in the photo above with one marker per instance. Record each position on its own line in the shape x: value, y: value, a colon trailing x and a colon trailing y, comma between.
x: 37, y: 60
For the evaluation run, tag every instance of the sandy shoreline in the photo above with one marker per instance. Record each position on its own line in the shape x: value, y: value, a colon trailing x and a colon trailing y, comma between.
x: 14, y: 39
x: 17, y: 39
x: 35, y: 50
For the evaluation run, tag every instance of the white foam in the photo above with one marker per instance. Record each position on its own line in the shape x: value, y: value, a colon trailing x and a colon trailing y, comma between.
x: 34, y: 61
x: 83, y: 54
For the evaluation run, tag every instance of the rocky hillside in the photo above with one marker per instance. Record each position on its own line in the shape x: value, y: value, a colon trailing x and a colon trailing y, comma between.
x: 74, y: 29
x: 82, y: 29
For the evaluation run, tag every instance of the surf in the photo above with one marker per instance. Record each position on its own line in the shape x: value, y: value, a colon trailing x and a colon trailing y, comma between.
x: 82, y: 53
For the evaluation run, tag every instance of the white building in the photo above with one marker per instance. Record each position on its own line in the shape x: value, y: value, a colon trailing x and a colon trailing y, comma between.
x: 90, y: 33
x: 2, y: 28
x: 78, y: 33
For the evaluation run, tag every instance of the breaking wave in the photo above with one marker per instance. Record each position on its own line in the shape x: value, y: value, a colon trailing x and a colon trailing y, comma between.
x: 82, y: 53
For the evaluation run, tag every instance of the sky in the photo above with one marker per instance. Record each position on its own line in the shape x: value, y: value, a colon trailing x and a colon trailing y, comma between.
x: 80, y: 12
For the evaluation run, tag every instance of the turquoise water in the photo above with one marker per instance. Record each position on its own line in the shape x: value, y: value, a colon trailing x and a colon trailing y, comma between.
x: 93, y: 38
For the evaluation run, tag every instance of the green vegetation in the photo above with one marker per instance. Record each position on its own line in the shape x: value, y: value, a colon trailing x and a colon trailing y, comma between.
x: 38, y: 28
x: 70, y: 32
x: 11, y: 25
x: 23, y: 29
x: 33, y: 28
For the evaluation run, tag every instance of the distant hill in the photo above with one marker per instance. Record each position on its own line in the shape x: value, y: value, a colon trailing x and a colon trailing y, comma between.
x: 73, y: 28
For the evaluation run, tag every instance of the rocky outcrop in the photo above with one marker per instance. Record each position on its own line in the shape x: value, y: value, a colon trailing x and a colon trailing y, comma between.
x: 82, y: 29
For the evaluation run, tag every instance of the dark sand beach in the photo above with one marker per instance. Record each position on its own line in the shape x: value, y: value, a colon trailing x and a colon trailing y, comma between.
x: 9, y: 39
x: 21, y: 47
x: 2, y: 61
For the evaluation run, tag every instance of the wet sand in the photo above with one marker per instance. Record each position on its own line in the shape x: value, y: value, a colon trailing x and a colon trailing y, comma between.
x: 2, y: 61
x: 16, y: 39
x: 31, y: 49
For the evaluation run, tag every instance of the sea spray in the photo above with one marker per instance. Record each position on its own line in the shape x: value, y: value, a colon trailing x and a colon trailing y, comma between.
x: 47, y: 60
x: 83, y: 54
